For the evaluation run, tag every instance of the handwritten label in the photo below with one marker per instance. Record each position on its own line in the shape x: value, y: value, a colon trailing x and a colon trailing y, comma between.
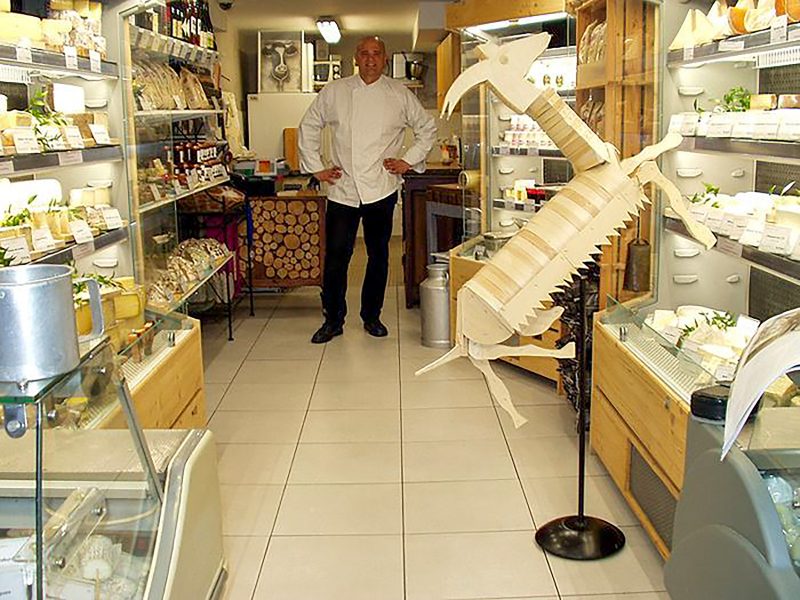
x: 95, y: 64
x: 778, y: 30
x: 729, y: 247
x: 529, y: 206
x: 43, y: 240
x: 156, y: 192
x: 73, y: 157
x: 715, y: 219
x: 766, y: 128
x: 176, y: 185
x: 504, y: 150
x: 794, y: 35
x: 689, y: 123
x: 731, y: 45
x: 7, y: 167
x: 73, y: 136
x: 25, y: 141
x: 100, y: 134
x: 671, y: 334
x: 111, y: 217
x: 80, y: 231
x: 17, y: 249
x: 699, y: 212
x: 24, y: 54
x: 789, y: 129
x: 508, y: 204
x: 71, y: 57
x: 688, y: 53
x: 719, y: 127
x: 725, y: 373
x: 736, y: 224
x: 155, y: 43
x: 193, y: 53
x: 83, y: 250
x: 776, y: 240
x: 753, y: 233
x: 675, y: 124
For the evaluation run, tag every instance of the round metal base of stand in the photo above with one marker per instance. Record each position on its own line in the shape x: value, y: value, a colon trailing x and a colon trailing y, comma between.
x: 576, y: 538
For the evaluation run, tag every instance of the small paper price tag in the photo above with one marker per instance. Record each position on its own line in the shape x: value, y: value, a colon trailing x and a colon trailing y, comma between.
x: 738, y: 226
x: 191, y: 180
x: 7, y: 167
x: 80, y: 231
x: 729, y: 247
x: 43, y: 240
x: 715, y: 220
x: 778, y: 30
x: 180, y: 103
x: 504, y: 150
x: 731, y: 45
x: 720, y: 127
x: 73, y: 157
x: 789, y: 130
x: 100, y: 134
x: 675, y: 123
x: 74, y: 137
x: 95, y: 64
x: 112, y: 218
x: 699, y: 212
x: 17, y: 249
x: 176, y: 185
x: 193, y: 53
x: 508, y: 204
x: 794, y: 35
x: 671, y: 334
x: 688, y: 53
x: 25, y: 141
x: 725, y: 373
x: 83, y: 250
x: 156, y: 192
x: 529, y: 206
x: 689, y: 123
x: 71, y: 57
x: 776, y: 240
x: 24, y: 54
x: 753, y: 233
x: 51, y: 133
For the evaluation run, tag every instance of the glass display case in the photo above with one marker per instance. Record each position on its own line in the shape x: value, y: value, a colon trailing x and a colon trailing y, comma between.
x: 176, y: 150
x: 511, y: 166
x: 103, y: 513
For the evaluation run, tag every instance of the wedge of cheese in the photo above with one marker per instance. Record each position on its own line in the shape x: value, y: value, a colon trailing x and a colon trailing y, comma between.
x: 696, y: 30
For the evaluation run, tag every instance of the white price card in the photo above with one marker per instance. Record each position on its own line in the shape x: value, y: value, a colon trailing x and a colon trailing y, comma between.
x: 74, y: 136
x: 766, y: 128
x: 95, y: 64
x: 156, y: 192
x: 776, y: 240
x: 53, y: 137
x: 699, y: 212
x: 193, y: 53
x: 753, y: 233
x: 671, y: 334
x: 675, y: 123
x: 17, y: 250
x: 155, y: 43
x: 73, y: 157
x: 100, y: 134
x: 778, y: 30
x: 508, y: 204
x: 688, y: 53
x: 529, y: 206
x: 504, y: 150
x: 789, y: 129
x: 689, y: 123
x: 731, y: 45
x: 7, y: 167
x: 192, y: 180
x: 71, y: 57
x: 176, y: 185
x: 737, y: 226
x: 43, y: 240
x: 180, y: 103
x: 80, y: 231
x: 83, y: 250
x: 111, y: 217
x: 24, y: 54
x: 794, y: 35
x: 720, y: 127
x: 25, y: 141
x: 715, y: 220
x: 725, y: 373
x: 729, y: 247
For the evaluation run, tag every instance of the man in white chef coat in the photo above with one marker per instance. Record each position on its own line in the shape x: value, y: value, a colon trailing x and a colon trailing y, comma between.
x: 368, y: 114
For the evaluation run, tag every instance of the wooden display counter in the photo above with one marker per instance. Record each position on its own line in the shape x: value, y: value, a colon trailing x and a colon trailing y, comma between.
x: 638, y: 429
x: 462, y: 269
x: 171, y: 395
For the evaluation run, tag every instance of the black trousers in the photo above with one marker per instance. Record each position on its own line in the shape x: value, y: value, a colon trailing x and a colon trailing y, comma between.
x: 341, y: 226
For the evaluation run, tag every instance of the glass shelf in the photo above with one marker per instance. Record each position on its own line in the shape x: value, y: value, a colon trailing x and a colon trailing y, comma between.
x: 22, y: 164
x: 676, y: 368
x: 177, y: 115
x: 180, y: 301
x: 53, y: 64
x: 765, y: 149
x: 66, y: 255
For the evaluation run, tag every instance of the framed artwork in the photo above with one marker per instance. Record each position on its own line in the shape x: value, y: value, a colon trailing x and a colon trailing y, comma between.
x: 280, y: 64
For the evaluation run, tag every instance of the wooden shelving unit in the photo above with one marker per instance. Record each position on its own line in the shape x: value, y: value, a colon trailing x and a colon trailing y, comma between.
x: 625, y: 82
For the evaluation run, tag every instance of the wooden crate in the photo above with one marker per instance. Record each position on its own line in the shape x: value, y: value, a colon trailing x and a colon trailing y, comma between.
x: 288, y: 241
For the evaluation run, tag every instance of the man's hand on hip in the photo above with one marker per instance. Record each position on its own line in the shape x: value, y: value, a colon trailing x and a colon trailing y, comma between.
x: 329, y: 175
x: 396, y: 166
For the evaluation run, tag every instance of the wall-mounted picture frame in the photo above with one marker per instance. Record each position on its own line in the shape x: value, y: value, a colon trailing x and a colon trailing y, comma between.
x: 280, y: 64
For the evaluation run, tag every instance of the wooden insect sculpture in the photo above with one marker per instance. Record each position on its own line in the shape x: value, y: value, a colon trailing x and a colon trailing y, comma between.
x: 510, y: 294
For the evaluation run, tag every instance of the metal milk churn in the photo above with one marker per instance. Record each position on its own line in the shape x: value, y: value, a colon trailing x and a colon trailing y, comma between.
x: 434, y: 301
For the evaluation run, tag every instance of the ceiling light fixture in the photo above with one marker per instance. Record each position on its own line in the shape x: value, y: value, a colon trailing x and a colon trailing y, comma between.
x: 329, y: 29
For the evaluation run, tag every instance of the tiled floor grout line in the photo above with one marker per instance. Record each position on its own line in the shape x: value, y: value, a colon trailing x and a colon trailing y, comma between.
x: 288, y: 475
x: 402, y: 469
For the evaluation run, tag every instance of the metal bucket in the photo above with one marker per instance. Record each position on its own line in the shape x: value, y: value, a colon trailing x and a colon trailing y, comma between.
x: 434, y: 301
x: 38, y: 334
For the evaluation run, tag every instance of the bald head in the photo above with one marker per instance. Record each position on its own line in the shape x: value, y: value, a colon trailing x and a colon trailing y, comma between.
x: 370, y: 58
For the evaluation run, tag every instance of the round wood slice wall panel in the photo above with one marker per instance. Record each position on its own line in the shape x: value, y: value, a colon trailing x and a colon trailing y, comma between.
x: 288, y: 241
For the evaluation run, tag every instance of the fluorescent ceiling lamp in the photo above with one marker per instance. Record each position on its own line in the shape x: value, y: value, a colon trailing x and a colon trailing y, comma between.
x: 523, y: 21
x: 329, y: 30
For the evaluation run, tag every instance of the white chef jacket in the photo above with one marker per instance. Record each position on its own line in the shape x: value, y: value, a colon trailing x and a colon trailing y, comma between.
x: 368, y: 125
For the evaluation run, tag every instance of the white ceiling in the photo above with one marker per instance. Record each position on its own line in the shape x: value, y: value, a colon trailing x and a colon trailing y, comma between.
x: 364, y: 17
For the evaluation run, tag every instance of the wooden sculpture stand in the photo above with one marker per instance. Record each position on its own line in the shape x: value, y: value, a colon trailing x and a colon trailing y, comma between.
x: 288, y: 241
x: 639, y: 432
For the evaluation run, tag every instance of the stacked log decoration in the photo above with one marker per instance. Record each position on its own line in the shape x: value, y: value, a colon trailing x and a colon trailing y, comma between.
x: 288, y: 241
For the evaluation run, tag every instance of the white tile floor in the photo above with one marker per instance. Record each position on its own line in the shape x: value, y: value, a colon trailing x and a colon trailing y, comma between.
x: 345, y: 477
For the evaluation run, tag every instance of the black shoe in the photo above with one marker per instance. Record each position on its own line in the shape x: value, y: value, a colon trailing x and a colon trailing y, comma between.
x: 376, y: 328
x: 326, y: 333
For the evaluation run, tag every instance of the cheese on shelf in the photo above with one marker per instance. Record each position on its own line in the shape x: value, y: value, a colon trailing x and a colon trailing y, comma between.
x: 14, y: 27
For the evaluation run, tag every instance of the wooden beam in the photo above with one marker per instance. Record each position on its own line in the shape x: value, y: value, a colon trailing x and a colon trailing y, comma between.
x: 468, y: 13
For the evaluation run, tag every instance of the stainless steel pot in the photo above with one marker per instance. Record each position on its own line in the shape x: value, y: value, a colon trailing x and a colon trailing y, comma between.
x: 38, y: 334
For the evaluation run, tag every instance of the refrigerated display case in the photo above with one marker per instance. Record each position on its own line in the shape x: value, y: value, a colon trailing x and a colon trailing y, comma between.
x: 117, y: 513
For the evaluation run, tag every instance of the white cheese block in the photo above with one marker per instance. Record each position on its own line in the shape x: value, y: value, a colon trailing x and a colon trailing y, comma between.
x: 15, y: 26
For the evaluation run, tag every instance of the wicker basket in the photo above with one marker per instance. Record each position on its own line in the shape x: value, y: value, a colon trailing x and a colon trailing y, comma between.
x: 213, y: 200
